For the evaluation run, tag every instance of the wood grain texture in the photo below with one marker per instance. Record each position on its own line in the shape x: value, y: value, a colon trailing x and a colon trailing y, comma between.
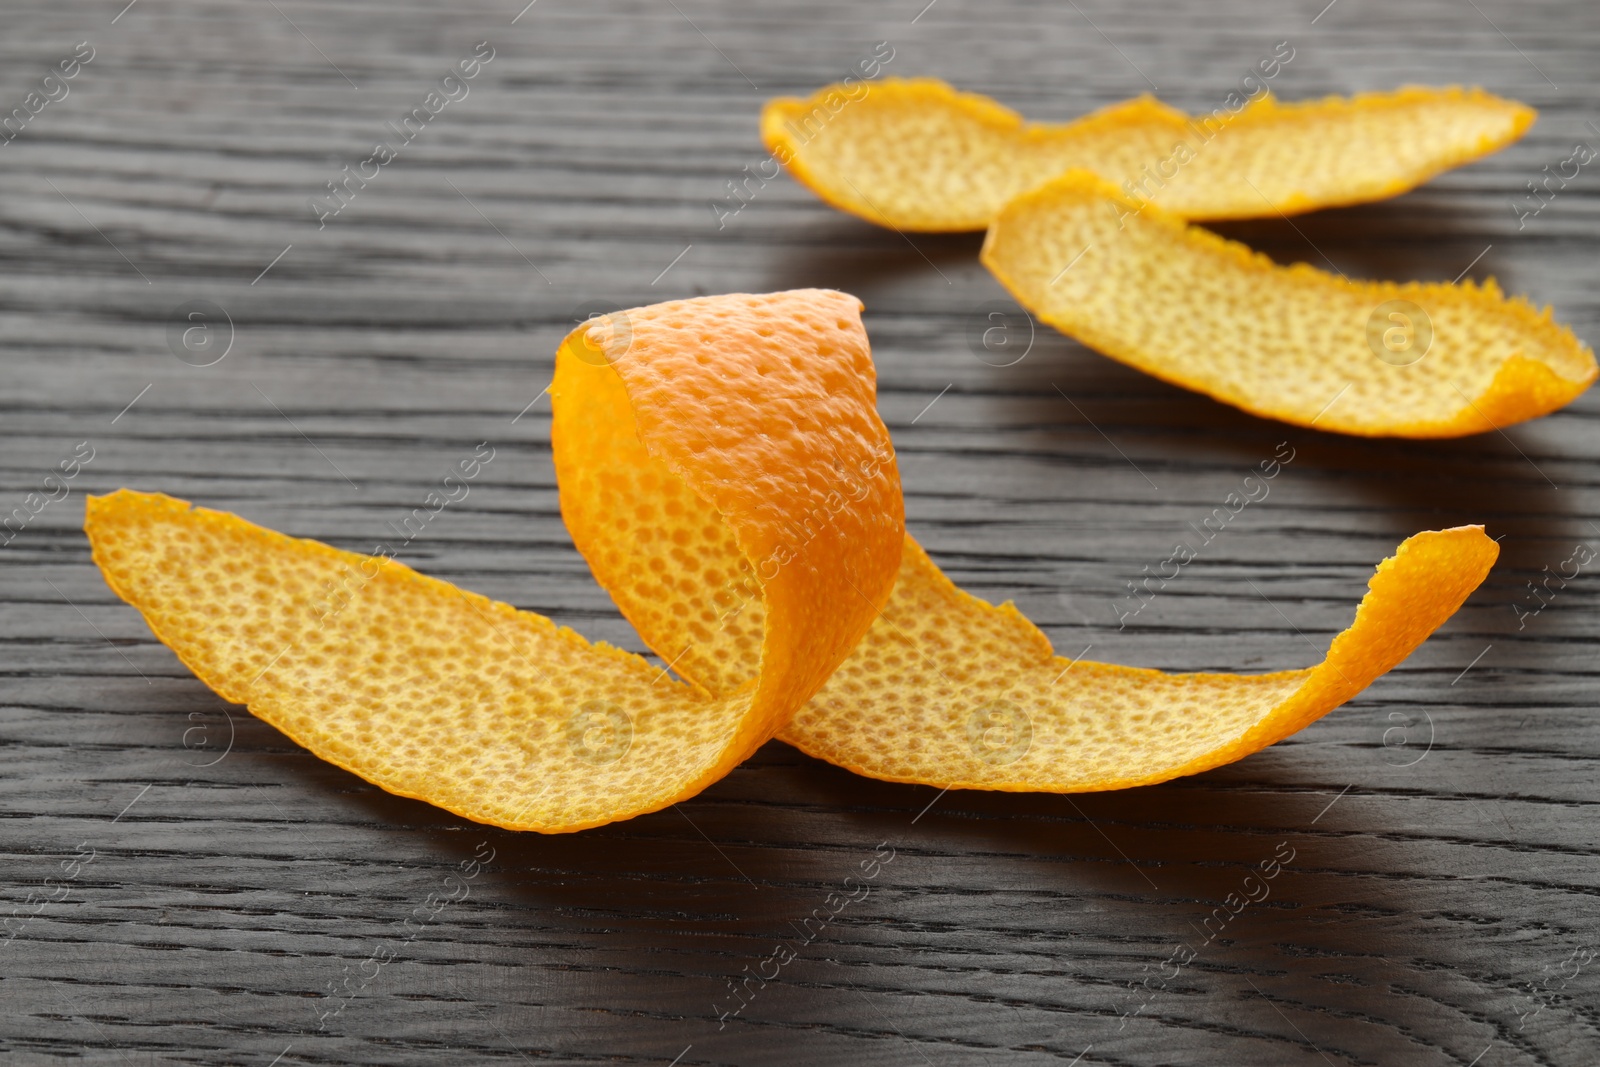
x: 1442, y: 886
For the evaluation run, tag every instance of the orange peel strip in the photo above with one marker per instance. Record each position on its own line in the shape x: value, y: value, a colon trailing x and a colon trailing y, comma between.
x: 723, y: 470
x: 915, y: 154
x: 950, y: 691
x: 1292, y: 343
x: 499, y: 715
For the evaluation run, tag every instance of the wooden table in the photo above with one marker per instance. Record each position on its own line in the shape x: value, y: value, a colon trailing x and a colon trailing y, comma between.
x: 220, y: 896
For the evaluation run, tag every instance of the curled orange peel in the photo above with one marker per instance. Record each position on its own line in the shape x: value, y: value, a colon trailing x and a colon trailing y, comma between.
x: 706, y: 430
x: 1293, y: 343
x: 915, y: 154
x: 723, y: 469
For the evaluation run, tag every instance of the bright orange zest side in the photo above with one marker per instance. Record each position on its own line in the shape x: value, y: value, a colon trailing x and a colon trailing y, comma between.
x: 1292, y: 343
x: 498, y: 715
x: 918, y: 155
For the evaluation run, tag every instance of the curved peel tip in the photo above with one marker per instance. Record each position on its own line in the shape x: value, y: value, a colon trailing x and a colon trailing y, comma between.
x: 1016, y: 717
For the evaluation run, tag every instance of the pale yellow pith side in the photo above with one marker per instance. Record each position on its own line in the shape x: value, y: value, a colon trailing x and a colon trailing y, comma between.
x: 417, y: 686
x: 948, y: 690
x: 1291, y: 343
x: 917, y: 155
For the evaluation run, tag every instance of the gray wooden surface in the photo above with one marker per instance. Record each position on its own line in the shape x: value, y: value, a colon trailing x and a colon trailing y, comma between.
x: 237, y: 901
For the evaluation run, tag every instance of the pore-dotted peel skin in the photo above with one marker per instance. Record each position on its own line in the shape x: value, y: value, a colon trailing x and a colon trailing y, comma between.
x: 765, y: 408
x: 948, y: 690
x: 723, y: 469
x: 915, y: 154
x: 498, y: 715
x: 1291, y: 343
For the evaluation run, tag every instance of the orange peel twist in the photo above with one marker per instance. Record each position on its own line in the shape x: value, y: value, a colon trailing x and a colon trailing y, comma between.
x: 723, y: 469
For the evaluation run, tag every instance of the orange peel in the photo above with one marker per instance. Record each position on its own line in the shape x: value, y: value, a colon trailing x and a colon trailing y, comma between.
x: 723, y: 469
x: 499, y: 715
x: 941, y: 674
x: 917, y: 155
x: 1371, y: 358
x: 950, y: 691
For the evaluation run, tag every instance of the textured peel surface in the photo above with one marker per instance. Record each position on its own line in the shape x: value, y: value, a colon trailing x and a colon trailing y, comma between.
x: 433, y: 692
x: 766, y: 407
x: 915, y: 154
x: 723, y: 469
x: 950, y: 691
x: 1292, y: 343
